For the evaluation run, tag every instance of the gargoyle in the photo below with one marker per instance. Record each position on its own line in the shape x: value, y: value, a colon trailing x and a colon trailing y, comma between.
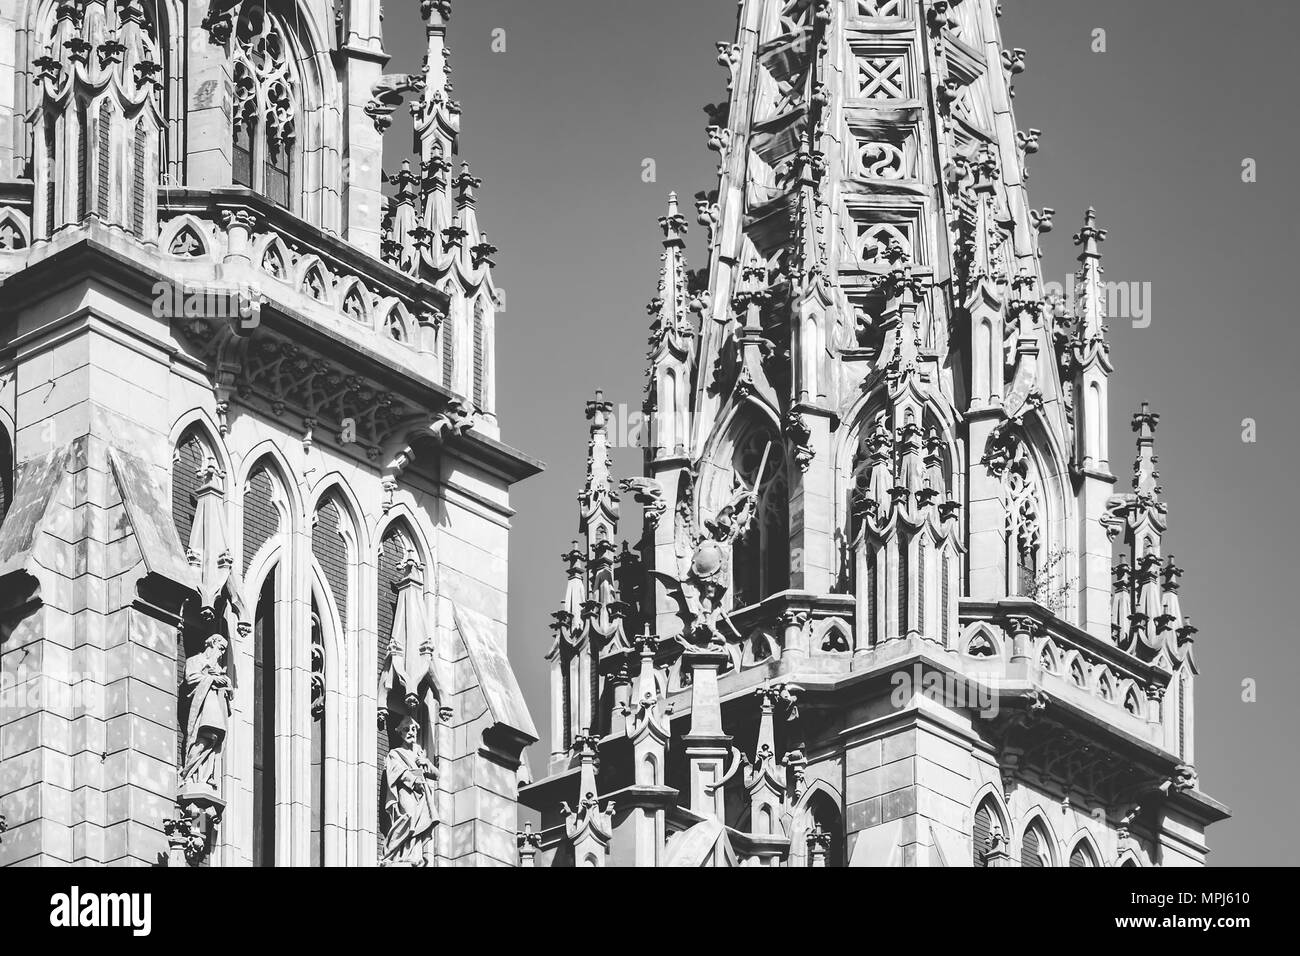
x: 220, y: 19
x: 386, y: 96
x: 649, y: 494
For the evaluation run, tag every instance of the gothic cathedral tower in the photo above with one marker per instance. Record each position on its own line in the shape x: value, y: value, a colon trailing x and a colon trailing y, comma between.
x: 872, y: 618
x: 255, y: 503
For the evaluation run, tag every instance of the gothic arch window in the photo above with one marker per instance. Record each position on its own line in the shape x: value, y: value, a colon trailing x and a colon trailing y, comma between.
x: 988, y: 832
x: 268, y: 91
x: 103, y: 152
x: 392, y: 552
x: 1035, y: 847
x: 264, y: 504
x: 1082, y: 855
x: 449, y: 351
x: 266, y: 522
x: 83, y: 165
x: 264, y: 722
x: 1024, y: 504
x: 820, y: 833
x: 139, y: 173
x: 332, y: 548
x: 480, y: 346
x: 760, y: 554
x: 1183, y: 687
x: 192, y: 451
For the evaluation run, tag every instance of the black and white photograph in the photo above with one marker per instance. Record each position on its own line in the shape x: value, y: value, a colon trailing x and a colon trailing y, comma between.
x: 646, y: 433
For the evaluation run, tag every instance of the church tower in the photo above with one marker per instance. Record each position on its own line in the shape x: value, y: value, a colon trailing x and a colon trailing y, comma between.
x: 872, y: 617
x: 253, y: 494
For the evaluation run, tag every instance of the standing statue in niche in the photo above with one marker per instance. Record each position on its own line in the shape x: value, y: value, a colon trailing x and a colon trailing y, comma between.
x: 209, y: 715
x: 410, y: 787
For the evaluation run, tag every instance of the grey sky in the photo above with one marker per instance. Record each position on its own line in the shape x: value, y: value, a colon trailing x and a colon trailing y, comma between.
x: 1152, y: 132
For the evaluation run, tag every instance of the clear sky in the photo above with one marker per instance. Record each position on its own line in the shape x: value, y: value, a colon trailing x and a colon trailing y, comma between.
x: 1153, y: 132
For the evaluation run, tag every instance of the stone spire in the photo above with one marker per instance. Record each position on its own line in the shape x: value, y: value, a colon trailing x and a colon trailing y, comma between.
x: 599, y: 511
x: 1087, y: 357
x: 588, y: 827
x: 872, y: 321
x: 432, y: 230
x: 1091, y: 308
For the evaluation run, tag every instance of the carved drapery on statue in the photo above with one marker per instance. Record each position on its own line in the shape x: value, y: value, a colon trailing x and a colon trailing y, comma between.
x: 208, y: 688
x: 410, y: 799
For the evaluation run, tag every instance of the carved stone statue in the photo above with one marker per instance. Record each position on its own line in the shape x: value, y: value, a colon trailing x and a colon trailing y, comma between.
x: 209, y: 716
x: 410, y: 793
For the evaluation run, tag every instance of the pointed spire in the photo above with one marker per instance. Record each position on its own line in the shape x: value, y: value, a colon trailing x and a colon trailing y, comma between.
x: 669, y: 307
x: 1091, y: 307
x: 599, y: 517
x: 436, y: 14
x: 1146, y: 477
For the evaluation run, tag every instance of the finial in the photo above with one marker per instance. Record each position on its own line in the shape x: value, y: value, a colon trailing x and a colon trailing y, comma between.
x: 673, y: 223
x: 1090, y: 237
x: 598, y: 411
x: 1145, y: 423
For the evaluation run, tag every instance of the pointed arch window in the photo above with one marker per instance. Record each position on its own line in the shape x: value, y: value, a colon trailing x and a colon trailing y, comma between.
x: 139, y: 147
x: 264, y: 724
x: 760, y: 555
x: 1182, y: 714
x: 1034, y: 851
x: 1082, y: 855
x: 187, y: 463
x: 480, y: 356
x: 825, y: 832
x: 449, y: 351
x: 83, y: 164
x: 333, y: 547
x: 266, y: 106
x: 104, y: 134
x: 392, y: 552
x: 982, y: 834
